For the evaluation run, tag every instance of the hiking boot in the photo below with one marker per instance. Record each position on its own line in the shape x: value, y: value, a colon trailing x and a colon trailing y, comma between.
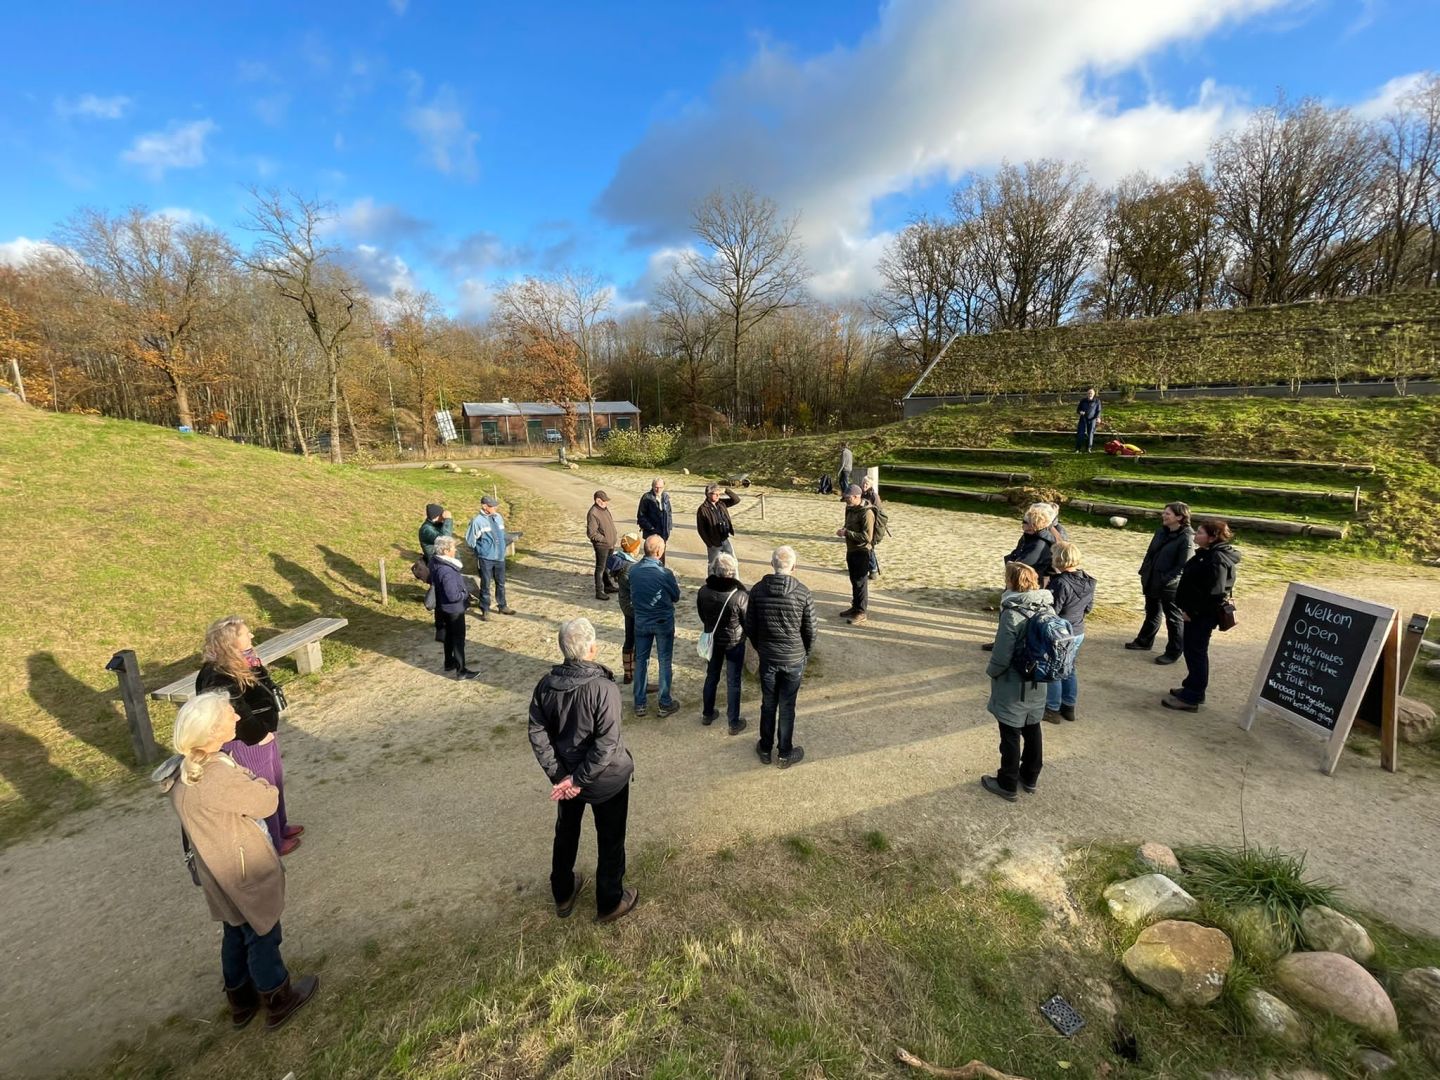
x: 1136, y: 646
x: 709, y: 718
x: 1052, y: 717
x: 796, y: 755
x: 992, y: 785
x: 612, y: 588
x: 989, y: 646
x: 1029, y: 789
x: 504, y: 610
x: 287, y: 846
x: 482, y: 615
x: 858, y: 619
x: 739, y: 726
x: 628, y: 899
x: 564, y: 908
x: 285, y: 1000
x: 762, y: 754
x: 847, y: 613
x: 668, y: 710
x: 1068, y: 712
x: 466, y: 675
x: 244, y: 1004
x: 1179, y: 704
x: 627, y: 657
x: 602, y: 596
x: 1167, y: 658
x: 641, y: 710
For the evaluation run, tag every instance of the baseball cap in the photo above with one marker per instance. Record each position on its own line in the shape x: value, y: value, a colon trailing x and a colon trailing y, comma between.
x: 489, y: 500
x: 433, y: 510
x: 601, y: 495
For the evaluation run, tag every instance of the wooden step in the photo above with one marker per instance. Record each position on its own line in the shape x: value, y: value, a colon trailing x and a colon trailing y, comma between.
x: 1249, y: 463
x: 1047, y: 455
x: 969, y: 474
x: 1106, y: 436
x: 891, y: 488
x: 1272, y: 525
x: 1352, y: 497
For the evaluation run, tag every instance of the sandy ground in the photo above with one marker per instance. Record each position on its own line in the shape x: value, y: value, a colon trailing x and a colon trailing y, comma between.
x: 420, y: 795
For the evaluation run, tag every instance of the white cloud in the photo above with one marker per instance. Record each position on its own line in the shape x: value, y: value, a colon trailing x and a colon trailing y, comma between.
x: 935, y: 89
x: 179, y: 146
x: 382, y: 223
x: 93, y: 107
x: 474, y: 300
x: 182, y: 215
x: 440, y: 126
x: 1383, y: 101
x: 381, y: 272
x: 22, y: 251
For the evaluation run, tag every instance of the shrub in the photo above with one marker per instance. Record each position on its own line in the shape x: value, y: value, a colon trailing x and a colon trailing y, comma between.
x: 1269, y: 880
x: 645, y: 449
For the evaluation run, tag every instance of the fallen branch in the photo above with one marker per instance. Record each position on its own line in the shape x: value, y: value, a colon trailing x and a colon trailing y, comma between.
x: 975, y: 1070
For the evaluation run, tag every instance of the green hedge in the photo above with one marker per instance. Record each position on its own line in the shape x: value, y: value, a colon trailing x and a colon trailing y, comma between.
x: 1374, y: 337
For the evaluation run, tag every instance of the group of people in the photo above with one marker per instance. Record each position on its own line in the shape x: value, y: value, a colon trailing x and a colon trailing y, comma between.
x: 449, y: 594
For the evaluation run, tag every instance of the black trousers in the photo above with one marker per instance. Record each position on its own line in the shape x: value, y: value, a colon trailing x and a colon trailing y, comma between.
x: 610, y: 818
x: 1158, y: 606
x: 1197, y: 658
x: 603, y: 581
x: 454, y: 626
x: 1021, y: 755
x: 858, y: 565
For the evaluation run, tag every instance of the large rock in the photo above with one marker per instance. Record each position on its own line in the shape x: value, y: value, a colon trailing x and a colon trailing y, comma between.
x: 1417, y: 992
x: 1416, y: 719
x: 1158, y: 857
x: 1148, y: 897
x: 1339, y: 986
x: 1184, y: 962
x: 1373, y: 1062
x: 1271, y: 1017
x: 1327, y: 930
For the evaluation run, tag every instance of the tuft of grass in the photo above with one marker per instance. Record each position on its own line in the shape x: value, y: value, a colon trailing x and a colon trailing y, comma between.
x: 1269, y: 886
x: 875, y: 840
x: 800, y: 847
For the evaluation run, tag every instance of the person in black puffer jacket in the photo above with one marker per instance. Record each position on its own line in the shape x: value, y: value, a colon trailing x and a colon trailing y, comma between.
x: 1170, y: 549
x: 575, y: 733
x: 780, y: 621
x: 1207, y: 582
x: 1074, y: 592
x: 722, y: 604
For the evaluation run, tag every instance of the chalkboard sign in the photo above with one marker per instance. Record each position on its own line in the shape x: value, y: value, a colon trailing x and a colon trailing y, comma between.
x: 1319, y: 662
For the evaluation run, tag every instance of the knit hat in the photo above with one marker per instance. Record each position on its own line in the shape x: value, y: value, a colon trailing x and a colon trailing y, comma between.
x: 630, y: 543
x: 489, y: 500
x: 433, y: 510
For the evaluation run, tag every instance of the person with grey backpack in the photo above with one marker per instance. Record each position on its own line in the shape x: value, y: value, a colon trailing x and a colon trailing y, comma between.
x: 722, y: 604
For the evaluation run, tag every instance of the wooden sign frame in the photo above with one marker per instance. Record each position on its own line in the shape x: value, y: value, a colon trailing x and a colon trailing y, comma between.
x: 1381, y: 651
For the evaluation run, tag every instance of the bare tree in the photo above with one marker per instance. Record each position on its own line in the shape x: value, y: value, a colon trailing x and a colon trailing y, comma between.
x: 752, y: 268
x: 1409, y: 254
x: 1296, y: 195
x: 289, y: 252
x: 161, y: 285
x: 929, y: 288
x: 412, y: 333
x: 584, y: 299
x: 690, y: 330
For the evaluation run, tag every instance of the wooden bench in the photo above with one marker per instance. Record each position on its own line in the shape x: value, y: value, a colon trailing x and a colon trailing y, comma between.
x: 303, y: 642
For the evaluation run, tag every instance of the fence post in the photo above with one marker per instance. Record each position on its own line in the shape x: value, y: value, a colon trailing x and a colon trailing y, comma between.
x: 873, y: 475
x: 137, y: 712
x: 762, y: 506
x: 384, y: 586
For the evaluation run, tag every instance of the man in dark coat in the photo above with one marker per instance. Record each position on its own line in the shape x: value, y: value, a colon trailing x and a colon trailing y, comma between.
x: 600, y: 530
x: 1088, y: 412
x: 712, y: 522
x: 654, y: 515
x: 575, y: 733
x: 859, y: 534
x: 780, y: 622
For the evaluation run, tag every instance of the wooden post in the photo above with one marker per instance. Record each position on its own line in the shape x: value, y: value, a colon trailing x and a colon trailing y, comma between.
x: 1410, y: 646
x: 1357, y: 498
x: 1390, y: 698
x: 873, y: 474
x: 762, y: 506
x: 307, y: 658
x: 19, y: 382
x: 384, y: 586
x: 137, y: 712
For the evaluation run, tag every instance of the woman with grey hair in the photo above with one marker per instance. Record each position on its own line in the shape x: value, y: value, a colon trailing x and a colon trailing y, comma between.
x: 722, y: 604
x: 222, y: 807
x: 452, y: 597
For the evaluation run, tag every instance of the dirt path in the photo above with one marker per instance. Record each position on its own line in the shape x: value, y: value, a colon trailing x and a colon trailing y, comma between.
x: 420, y: 795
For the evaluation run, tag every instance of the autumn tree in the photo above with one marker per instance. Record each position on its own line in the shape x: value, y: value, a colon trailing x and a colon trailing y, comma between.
x: 928, y: 288
x: 412, y: 330
x: 533, y: 317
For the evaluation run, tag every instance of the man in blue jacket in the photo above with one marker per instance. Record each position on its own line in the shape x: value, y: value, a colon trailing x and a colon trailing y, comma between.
x: 1088, y: 412
x: 653, y: 595
x: 486, y: 537
x: 654, y: 516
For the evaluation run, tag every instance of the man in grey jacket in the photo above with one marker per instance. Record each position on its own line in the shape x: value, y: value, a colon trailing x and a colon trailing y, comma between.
x: 575, y: 733
x: 780, y: 621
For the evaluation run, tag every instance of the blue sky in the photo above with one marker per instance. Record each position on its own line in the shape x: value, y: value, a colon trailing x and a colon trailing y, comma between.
x: 464, y: 143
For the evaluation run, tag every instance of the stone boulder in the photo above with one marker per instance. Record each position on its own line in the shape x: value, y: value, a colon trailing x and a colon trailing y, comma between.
x: 1148, y: 897
x: 1416, y: 719
x: 1327, y: 930
x: 1373, y: 1062
x: 1417, y: 992
x: 1271, y: 1017
x: 1184, y: 962
x: 1158, y: 857
x: 1337, y: 985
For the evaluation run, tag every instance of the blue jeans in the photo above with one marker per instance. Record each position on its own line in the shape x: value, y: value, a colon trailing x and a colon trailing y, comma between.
x: 779, y: 686
x: 663, y: 639
x: 733, y: 661
x: 248, y: 957
x: 1197, y: 658
x: 491, y: 569
x: 1066, y: 691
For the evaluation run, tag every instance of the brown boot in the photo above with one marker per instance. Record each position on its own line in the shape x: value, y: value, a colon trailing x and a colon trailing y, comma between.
x: 627, y: 657
x: 244, y: 1004
x: 285, y: 1000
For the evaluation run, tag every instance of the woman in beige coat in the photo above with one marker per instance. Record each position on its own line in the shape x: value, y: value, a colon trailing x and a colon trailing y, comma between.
x: 222, y: 809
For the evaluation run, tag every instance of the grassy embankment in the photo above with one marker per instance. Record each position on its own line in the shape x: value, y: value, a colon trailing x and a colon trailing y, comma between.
x: 1400, y: 436
x: 123, y: 535
x: 798, y: 957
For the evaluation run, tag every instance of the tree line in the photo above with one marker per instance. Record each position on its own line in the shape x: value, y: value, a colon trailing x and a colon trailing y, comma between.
x: 151, y: 318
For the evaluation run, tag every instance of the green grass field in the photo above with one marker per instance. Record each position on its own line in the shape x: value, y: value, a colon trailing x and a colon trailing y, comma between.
x: 124, y: 535
x: 1400, y: 436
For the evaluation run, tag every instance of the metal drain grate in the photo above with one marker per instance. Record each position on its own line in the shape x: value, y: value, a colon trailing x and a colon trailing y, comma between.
x: 1063, y: 1016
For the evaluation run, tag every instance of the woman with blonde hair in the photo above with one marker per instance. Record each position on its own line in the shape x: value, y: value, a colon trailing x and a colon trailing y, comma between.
x: 1017, y: 706
x: 1074, y: 593
x: 232, y: 665
x: 620, y: 563
x: 220, y: 805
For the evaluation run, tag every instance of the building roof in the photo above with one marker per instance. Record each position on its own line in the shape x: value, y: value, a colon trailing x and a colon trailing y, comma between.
x: 542, y: 408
